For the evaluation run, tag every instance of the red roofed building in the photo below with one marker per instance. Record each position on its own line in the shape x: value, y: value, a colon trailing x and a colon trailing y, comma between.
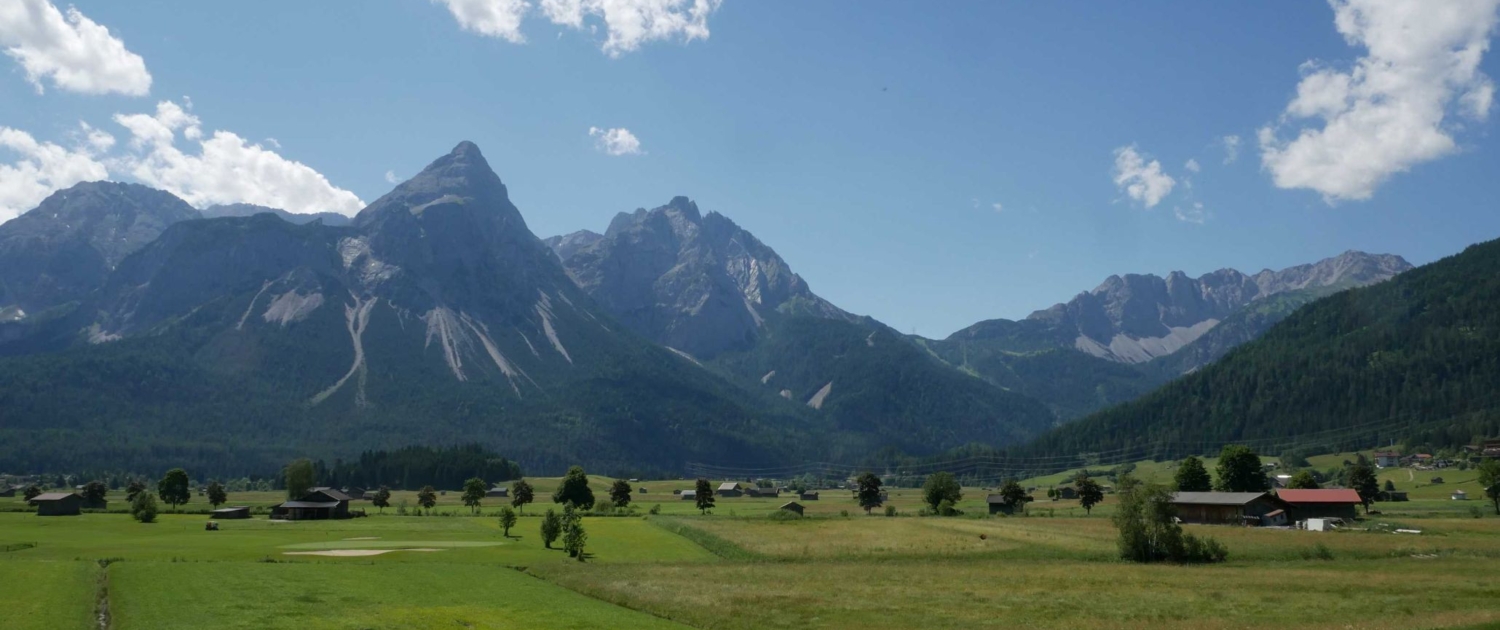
x: 1330, y: 503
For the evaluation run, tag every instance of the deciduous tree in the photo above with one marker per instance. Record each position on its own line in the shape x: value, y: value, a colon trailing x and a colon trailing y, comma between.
x: 521, y: 493
x: 1090, y: 493
x: 1489, y: 478
x: 551, y: 528
x: 619, y: 493
x: 869, y: 491
x: 474, y: 490
x: 216, y: 495
x: 31, y: 492
x: 1191, y: 476
x: 940, y: 486
x: 1014, y: 495
x: 299, y: 477
x: 703, y: 494
x: 1240, y: 470
x: 382, y: 499
x: 1303, y: 480
x: 175, y: 488
x: 94, y: 493
x: 427, y: 498
x: 1362, y: 480
x: 143, y: 507
x: 575, y: 489
x: 507, y: 519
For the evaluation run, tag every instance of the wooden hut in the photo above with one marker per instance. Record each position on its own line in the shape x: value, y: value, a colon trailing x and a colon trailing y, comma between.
x: 58, y: 504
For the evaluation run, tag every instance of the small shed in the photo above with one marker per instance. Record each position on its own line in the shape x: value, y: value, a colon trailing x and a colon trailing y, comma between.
x: 808, y: 496
x: 793, y: 506
x: 1321, y: 503
x: 1067, y: 493
x: 998, y: 504
x: 1274, y: 518
x: 1225, y: 507
x: 764, y: 493
x: 689, y: 495
x: 729, y: 489
x: 357, y: 493
x: 1460, y: 495
x: 498, y: 493
x: 10, y: 491
x: 58, y: 504
x: 230, y: 513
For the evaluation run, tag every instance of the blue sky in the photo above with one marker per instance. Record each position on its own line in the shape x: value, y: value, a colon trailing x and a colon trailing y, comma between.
x: 867, y: 143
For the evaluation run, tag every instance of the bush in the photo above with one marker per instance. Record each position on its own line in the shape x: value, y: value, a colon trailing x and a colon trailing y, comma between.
x: 655, y: 509
x: 1319, y: 551
x: 844, y: 513
x: 143, y: 508
x: 785, y: 515
x: 945, y: 508
x: 1205, y: 550
x: 890, y: 510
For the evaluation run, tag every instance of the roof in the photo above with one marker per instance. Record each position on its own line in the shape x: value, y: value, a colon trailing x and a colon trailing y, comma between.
x: 995, y: 498
x: 1215, y: 498
x: 332, y: 493
x: 1387, y: 454
x: 310, y: 504
x: 236, y: 508
x: 54, y: 496
x: 729, y: 486
x: 1325, y: 495
x: 791, y: 504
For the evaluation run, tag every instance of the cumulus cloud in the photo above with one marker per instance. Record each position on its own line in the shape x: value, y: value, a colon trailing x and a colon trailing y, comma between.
x: 1192, y: 165
x: 71, y: 51
x: 391, y: 178
x: 224, y: 169
x: 1143, y: 181
x: 1392, y: 109
x: 630, y: 23
x: 43, y: 167
x: 627, y: 24
x: 491, y: 18
x: 1194, y: 213
x: 617, y: 141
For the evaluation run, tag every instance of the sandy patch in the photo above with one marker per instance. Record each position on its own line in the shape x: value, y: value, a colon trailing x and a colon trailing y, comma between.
x: 350, y: 553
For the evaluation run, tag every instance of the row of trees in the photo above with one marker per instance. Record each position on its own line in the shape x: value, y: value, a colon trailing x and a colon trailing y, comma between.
x: 1240, y: 470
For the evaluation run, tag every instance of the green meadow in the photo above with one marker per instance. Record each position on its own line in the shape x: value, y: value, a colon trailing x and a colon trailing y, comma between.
x: 1054, y: 567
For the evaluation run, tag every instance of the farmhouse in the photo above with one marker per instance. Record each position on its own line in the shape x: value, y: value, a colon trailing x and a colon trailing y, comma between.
x: 1322, y: 503
x: 1226, y: 507
x: 793, y: 507
x: 317, y: 504
x: 1387, y: 459
x: 729, y: 489
x: 58, y: 504
x: 228, y: 513
x: 808, y: 496
x: 497, y: 493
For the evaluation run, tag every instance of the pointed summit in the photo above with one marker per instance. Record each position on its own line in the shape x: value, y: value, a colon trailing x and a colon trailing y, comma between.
x: 461, y: 177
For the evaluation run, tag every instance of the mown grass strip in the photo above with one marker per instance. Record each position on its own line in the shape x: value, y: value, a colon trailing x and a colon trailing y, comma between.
x: 711, y: 542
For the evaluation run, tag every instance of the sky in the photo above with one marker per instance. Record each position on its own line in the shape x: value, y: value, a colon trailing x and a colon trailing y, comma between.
x: 929, y: 164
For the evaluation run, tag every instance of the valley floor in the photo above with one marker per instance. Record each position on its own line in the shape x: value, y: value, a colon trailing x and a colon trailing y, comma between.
x: 737, y: 568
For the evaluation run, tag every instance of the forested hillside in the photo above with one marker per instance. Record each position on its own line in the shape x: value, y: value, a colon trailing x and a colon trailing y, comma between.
x: 1417, y: 354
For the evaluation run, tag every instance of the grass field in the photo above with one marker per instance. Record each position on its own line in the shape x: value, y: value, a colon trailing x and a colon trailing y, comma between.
x: 1052, y: 568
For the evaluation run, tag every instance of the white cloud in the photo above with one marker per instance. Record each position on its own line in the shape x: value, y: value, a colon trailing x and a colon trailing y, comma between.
x: 617, y: 141
x: 73, y: 52
x: 1192, y: 214
x: 1231, y: 148
x: 630, y: 23
x: 226, y: 168
x: 491, y: 18
x: 42, y: 168
x: 1143, y: 181
x: 627, y: 23
x: 997, y: 207
x: 272, y: 142
x: 1192, y: 165
x: 391, y: 178
x: 1389, y: 111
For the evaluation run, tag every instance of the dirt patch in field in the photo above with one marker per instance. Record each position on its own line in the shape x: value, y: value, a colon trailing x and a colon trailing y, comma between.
x: 351, y: 553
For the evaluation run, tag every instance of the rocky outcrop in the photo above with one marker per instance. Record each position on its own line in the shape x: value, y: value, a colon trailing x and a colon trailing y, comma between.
x: 65, y: 247
x: 697, y: 283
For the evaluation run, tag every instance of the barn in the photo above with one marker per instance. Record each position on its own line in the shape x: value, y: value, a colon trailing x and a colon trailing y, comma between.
x: 58, y: 504
x: 1226, y: 507
x: 1321, y: 503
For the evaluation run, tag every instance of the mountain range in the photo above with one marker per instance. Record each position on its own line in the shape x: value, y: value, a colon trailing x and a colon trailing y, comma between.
x: 138, y: 332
